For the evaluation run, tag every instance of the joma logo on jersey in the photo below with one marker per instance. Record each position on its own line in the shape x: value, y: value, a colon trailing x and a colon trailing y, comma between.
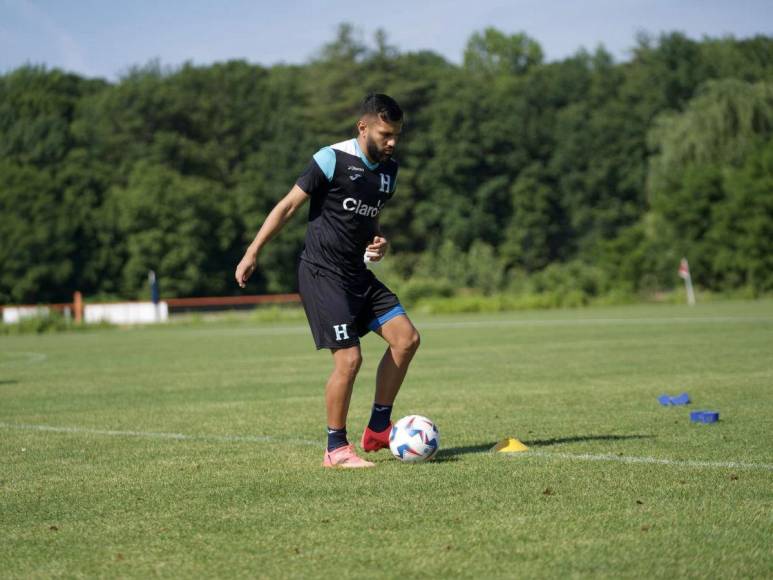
x: 356, y: 206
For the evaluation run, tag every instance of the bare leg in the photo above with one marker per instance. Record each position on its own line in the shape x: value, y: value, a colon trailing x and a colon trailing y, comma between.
x: 338, y: 391
x: 403, y: 339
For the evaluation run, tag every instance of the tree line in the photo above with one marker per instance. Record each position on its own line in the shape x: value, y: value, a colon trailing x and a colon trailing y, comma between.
x: 514, y: 170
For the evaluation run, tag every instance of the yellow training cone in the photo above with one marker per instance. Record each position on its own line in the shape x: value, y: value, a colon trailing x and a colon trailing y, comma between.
x: 510, y: 445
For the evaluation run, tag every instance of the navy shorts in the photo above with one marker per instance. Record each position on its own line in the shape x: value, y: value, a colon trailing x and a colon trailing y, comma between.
x: 338, y: 313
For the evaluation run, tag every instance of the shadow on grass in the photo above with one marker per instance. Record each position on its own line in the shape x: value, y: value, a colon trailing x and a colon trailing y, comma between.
x: 581, y: 438
x: 9, y: 382
x: 444, y: 458
x: 452, y: 453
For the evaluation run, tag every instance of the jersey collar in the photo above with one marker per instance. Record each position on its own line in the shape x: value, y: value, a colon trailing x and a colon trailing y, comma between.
x: 364, y: 159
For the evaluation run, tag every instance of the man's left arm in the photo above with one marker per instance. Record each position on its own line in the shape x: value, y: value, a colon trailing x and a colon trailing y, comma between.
x: 378, y: 247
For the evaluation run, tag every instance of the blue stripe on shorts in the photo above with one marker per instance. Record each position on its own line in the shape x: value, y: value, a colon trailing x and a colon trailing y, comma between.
x: 377, y: 323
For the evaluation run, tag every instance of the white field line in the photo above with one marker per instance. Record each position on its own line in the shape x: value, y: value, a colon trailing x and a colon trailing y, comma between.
x: 278, y: 440
x: 648, y: 460
x: 161, y: 435
x: 21, y: 358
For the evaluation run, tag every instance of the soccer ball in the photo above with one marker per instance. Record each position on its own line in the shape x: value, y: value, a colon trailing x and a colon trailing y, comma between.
x: 414, y: 438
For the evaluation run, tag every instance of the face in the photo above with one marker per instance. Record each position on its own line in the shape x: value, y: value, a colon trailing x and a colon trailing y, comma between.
x: 380, y: 137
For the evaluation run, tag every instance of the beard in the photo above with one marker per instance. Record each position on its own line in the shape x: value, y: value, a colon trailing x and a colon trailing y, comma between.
x: 374, y: 152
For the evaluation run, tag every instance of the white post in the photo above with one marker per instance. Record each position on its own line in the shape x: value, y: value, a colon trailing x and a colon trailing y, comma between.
x: 684, y: 273
x: 690, y: 293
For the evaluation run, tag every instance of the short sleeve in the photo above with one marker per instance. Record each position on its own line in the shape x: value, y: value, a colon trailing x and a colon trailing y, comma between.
x: 319, y: 172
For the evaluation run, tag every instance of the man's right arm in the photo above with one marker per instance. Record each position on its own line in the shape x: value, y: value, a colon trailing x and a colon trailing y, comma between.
x: 278, y: 217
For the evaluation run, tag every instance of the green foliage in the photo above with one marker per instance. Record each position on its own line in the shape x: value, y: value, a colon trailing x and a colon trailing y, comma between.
x: 711, y: 183
x: 174, y: 225
x: 416, y: 289
x: 533, y: 236
x: 443, y: 271
x: 741, y: 238
x: 719, y: 127
x: 499, y: 53
x: 513, y: 170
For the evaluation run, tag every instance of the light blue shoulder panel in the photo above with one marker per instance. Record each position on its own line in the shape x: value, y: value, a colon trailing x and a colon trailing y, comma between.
x: 326, y: 159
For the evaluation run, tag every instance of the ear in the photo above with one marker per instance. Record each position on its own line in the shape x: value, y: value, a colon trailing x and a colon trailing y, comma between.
x: 362, y: 125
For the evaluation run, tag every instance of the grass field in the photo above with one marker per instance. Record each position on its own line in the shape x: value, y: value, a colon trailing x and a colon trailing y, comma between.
x: 195, y: 450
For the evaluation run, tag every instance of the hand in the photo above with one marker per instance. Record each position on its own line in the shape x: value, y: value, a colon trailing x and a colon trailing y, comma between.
x: 377, y: 248
x: 245, y: 269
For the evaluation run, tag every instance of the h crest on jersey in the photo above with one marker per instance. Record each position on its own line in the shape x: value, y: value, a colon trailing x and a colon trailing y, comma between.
x: 386, y: 183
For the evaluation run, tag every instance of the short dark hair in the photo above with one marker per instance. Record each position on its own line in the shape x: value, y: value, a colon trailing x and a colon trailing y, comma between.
x: 383, y: 106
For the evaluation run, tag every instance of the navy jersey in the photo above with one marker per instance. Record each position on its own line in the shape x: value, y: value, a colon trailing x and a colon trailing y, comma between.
x: 347, y: 193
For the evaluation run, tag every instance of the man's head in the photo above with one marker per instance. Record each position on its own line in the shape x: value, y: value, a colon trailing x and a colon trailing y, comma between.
x: 381, y: 120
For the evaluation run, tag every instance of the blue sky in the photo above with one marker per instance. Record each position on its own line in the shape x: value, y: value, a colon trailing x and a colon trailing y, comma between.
x: 104, y: 38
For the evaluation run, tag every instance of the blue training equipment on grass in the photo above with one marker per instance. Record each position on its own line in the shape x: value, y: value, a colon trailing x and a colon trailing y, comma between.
x: 683, y: 399
x: 704, y: 416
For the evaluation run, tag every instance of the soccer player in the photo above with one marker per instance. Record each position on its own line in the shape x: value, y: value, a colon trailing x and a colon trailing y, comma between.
x: 348, y: 184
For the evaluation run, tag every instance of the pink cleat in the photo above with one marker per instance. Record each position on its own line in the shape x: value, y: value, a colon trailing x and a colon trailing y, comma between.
x: 374, y: 440
x: 345, y: 457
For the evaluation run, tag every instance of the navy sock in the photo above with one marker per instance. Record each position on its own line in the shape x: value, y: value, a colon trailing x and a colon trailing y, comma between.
x: 379, y: 417
x: 336, y: 438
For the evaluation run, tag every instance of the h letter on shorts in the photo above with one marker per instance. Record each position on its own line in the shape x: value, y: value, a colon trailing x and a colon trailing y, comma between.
x: 341, y: 333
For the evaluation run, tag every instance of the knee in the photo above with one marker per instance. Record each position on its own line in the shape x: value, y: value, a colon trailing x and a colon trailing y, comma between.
x: 408, y: 342
x: 414, y: 340
x: 348, y: 363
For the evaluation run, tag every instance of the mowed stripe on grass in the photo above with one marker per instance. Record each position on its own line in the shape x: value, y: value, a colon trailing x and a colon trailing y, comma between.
x: 186, y: 484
